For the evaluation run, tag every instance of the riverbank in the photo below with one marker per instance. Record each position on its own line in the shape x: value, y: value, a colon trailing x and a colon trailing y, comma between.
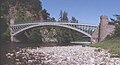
x: 62, y: 55
x: 112, y: 45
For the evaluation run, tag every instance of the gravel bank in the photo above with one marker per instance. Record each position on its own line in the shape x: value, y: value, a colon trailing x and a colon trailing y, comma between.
x: 62, y: 55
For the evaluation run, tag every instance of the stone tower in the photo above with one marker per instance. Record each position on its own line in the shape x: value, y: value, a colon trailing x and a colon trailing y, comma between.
x: 103, y: 28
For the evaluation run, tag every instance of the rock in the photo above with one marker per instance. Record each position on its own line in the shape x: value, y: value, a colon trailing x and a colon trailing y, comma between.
x: 64, y: 55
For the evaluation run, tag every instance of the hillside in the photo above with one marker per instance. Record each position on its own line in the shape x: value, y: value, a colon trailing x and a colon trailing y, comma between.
x: 112, y: 45
x: 21, y: 10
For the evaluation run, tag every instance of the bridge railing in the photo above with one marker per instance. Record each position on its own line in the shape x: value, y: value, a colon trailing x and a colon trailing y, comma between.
x: 36, y: 21
x: 21, y: 22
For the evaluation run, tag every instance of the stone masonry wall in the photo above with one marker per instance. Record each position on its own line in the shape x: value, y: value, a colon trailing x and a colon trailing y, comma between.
x: 95, y: 34
x: 103, y: 30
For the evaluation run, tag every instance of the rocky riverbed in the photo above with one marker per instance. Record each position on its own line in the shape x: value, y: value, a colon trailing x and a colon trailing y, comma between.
x: 61, y: 55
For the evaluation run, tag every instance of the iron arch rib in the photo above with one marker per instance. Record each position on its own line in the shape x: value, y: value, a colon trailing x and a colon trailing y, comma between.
x: 60, y: 25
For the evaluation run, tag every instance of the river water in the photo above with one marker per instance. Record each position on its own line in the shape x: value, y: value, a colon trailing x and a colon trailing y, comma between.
x: 10, y: 47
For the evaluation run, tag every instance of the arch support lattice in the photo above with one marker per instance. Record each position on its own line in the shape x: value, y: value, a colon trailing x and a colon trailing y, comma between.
x: 82, y: 28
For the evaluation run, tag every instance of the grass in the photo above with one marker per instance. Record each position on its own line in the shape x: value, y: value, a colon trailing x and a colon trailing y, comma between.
x: 112, y: 45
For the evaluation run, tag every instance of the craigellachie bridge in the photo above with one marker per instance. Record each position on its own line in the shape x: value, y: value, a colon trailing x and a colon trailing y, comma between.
x: 94, y: 32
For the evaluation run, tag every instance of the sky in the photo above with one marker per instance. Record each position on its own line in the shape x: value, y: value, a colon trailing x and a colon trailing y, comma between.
x: 85, y: 11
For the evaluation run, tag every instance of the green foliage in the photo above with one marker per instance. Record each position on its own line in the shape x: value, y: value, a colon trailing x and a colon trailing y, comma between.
x: 20, y: 17
x: 31, y: 35
x: 34, y: 35
x: 64, y: 35
x: 45, y: 14
x: 3, y: 20
x: 22, y: 6
x: 4, y: 32
x: 117, y: 31
x: 74, y: 20
x: 51, y: 19
x: 4, y: 8
x: 68, y: 35
x: 113, y: 45
x: 117, y: 26
x: 3, y: 26
x: 34, y: 7
x: 34, y: 4
x: 63, y: 16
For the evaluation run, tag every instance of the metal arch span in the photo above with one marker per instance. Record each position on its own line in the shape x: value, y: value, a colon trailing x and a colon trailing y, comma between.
x: 17, y: 28
x: 53, y: 25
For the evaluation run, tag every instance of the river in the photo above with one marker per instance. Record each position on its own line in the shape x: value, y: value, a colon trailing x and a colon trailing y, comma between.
x: 60, y: 54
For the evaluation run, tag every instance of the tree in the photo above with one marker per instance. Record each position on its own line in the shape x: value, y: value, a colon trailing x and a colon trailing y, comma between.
x: 19, y: 8
x: 4, y: 31
x: 74, y: 20
x: 45, y: 14
x: 52, y: 19
x: 63, y: 16
x: 117, y: 25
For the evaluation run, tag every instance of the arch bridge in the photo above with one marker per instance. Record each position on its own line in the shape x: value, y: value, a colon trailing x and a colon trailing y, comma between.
x: 85, y: 29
